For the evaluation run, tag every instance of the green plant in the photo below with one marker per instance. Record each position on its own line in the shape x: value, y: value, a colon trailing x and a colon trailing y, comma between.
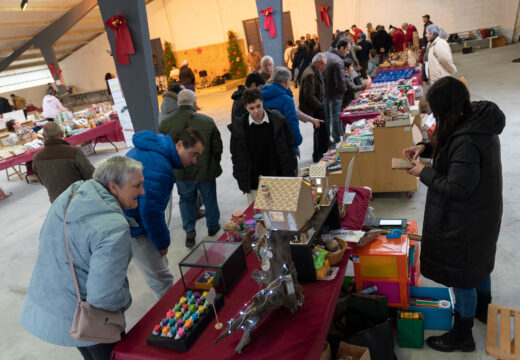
x: 237, y: 65
x: 168, y: 61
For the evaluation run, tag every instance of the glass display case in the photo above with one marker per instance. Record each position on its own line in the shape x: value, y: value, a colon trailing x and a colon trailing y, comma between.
x: 213, y: 264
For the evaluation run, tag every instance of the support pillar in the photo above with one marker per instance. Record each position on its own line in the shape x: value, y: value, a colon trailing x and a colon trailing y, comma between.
x: 273, y: 46
x: 324, y: 31
x: 50, y: 58
x: 137, y: 79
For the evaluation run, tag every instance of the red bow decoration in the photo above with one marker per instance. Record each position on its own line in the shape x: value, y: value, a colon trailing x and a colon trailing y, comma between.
x: 324, y: 16
x: 268, y: 21
x: 52, y: 69
x: 124, y: 45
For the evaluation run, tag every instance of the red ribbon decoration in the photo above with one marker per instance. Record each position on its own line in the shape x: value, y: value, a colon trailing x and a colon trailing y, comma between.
x: 52, y: 69
x: 324, y: 16
x: 124, y: 45
x: 268, y: 21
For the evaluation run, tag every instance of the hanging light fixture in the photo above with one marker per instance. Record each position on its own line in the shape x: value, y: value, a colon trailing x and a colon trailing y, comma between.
x: 23, y: 5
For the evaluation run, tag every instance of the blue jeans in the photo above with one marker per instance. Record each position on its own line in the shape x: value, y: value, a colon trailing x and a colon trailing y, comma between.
x: 188, y: 202
x: 466, y: 299
x: 332, y: 112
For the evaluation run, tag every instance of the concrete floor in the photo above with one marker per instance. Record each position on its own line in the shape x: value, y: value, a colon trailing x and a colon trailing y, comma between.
x: 490, y: 75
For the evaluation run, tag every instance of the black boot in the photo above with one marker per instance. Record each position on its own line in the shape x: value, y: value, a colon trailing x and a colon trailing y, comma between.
x: 458, y: 338
x: 483, y: 300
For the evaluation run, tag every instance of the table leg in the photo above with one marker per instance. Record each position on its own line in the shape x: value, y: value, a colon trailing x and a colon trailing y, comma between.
x: 106, y: 138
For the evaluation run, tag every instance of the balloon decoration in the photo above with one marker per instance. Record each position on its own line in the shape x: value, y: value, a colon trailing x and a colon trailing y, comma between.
x: 124, y: 44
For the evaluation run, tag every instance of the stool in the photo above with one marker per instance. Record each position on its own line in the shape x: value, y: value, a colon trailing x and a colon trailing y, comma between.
x: 17, y: 172
x: 498, y: 338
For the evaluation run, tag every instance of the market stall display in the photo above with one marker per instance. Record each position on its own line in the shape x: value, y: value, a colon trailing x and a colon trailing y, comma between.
x: 185, y: 321
x: 111, y: 130
x: 304, y: 332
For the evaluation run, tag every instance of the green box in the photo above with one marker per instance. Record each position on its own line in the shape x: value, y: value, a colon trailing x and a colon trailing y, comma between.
x: 410, y: 332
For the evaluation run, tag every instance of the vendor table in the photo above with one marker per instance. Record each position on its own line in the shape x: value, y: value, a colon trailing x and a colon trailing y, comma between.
x: 281, y: 335
x: 110, y: 131
x: 349, y: 118
x: 374, y: 168
x: 88, y: 97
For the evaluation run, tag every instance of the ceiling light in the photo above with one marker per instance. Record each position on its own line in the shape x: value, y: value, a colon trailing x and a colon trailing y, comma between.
x: 23, y: 5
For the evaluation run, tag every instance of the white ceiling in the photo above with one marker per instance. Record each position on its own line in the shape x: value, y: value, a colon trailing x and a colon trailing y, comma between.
x: 17, y: 27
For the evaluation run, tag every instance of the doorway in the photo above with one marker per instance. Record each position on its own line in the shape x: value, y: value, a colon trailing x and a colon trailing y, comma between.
x: 252, y: 32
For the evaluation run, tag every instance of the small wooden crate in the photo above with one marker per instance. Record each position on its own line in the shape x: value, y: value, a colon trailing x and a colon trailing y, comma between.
x: 498, y: 338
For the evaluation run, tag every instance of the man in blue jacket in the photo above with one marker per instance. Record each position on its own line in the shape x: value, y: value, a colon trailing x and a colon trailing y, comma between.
x: 279, y: 96
x: 159, y: 154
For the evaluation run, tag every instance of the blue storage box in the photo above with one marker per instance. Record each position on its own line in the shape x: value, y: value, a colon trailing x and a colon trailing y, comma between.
x: 434, y: 318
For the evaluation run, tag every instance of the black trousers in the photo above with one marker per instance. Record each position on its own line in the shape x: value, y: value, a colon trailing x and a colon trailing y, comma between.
x: 321, y: 138
x: 97, y: 352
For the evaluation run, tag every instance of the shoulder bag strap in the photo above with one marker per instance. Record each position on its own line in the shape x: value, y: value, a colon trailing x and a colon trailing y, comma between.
x: 68, y: 250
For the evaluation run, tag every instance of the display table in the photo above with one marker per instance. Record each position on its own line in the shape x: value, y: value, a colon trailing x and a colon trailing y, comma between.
x: 88, y: 97
x: 349, y: 118
x: 281, y: 335
x: 110, y: 131
x: 374, y: 168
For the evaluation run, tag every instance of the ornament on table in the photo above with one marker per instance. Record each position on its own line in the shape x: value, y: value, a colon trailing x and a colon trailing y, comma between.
x: 123, y: 39
x: 324, y: 15
x: 210, y: 298
x: 281, y: 287
x: 269, y: 21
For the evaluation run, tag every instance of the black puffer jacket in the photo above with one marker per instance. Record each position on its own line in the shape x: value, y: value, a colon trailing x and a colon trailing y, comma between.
x: 238, y: 109
x: 464, y: 201
x: 283, y: 139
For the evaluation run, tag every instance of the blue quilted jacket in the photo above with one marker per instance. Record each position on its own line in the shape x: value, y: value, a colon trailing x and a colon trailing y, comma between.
x: 275, y: 96
x: 159, y: 157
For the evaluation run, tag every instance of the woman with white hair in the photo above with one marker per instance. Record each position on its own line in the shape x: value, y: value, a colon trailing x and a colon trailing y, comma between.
x: 437, y: 57
x: 98, y: 236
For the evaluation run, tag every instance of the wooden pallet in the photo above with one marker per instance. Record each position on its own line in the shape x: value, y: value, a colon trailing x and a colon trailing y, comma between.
x: 498, y: 338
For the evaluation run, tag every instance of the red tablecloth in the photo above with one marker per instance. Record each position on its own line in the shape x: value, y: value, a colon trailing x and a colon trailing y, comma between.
x: 281, y: 335
x: 350, y: 118
x: 356, y: 211
x: 112, y: 129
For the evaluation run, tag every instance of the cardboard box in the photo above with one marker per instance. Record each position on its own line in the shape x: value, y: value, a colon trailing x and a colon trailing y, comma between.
x: 354, y: 352
x: 499, y: 41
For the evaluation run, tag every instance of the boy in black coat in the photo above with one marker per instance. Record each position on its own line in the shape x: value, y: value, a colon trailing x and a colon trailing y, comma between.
x: 261, y: 144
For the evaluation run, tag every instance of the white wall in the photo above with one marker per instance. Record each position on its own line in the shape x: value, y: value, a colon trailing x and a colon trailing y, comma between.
x: 86, y: 68
x: 453, y: 16
x: 32, y: 95
x: 206, y: 22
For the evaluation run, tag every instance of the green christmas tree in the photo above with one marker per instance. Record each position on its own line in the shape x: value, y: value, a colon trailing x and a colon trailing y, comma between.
x: 168, y: 61
x: 237, y: 65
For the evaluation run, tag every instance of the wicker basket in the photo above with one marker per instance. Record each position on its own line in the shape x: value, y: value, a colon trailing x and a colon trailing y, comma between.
x: 336, y: 257
x: 399, y: 63
x: 385, y: 65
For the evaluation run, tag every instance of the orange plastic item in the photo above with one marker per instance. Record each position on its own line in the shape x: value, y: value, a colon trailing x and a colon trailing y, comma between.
x: 384, y: 263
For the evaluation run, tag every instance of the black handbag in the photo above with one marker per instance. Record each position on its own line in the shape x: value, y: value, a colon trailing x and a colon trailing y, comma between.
x: 379, y: 339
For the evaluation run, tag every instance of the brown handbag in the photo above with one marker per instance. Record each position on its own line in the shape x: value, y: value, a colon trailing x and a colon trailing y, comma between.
x: 90, y: 323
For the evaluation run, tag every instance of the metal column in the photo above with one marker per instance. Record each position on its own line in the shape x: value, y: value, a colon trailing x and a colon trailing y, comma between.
x: 273, y: 46
x: 138, y: 78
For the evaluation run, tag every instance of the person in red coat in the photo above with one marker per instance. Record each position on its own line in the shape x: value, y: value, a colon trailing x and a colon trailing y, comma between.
x: 356, y: 32
x: 410, y: 29
x: 398, y: 38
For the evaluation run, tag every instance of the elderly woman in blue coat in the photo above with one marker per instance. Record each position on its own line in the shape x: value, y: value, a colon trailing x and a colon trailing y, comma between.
x: 98, y: 233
